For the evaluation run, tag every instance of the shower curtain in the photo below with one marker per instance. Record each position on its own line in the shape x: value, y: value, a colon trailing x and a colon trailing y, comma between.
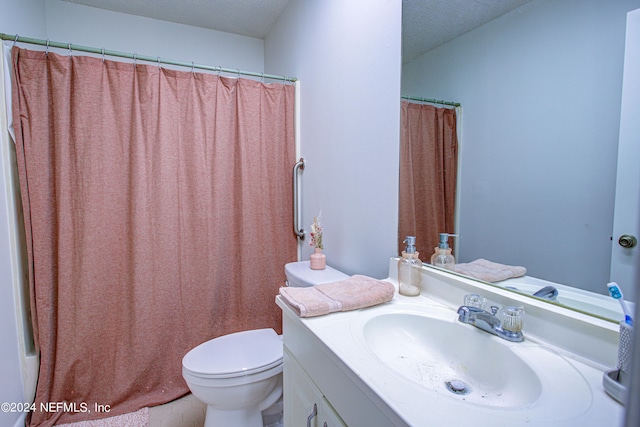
x: 428, y: 174
x: 158, y: 216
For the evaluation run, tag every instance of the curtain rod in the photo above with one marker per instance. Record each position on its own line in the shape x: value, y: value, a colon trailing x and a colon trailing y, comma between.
x: 432, y: 101
x: 19, y: 39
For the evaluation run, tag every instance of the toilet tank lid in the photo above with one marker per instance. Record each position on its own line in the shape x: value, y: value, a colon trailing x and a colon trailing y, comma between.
x: 300, y: 274
x: 238, y: 353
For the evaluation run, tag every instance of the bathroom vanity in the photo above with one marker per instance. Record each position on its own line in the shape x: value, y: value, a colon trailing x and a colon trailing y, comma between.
x: 410, y: 362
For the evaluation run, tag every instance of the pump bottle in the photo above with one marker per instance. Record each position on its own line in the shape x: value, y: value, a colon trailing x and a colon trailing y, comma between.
x: 409, y: 278
x: 442, y: 256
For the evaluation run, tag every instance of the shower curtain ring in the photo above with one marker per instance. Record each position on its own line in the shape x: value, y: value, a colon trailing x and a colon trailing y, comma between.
x: 135, y: 59
x: 159, y: 65
x: 102, y: 50
x: 70, y: 51
x: 192, y: 67
x: 219, y: 69
x: 262, y: 78
x: 16, y: 39
x: 46, y: 52
x: 238, y: 71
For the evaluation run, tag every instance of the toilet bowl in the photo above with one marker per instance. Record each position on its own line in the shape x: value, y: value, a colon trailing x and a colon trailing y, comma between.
x: 240, y: 375
x: 237, y: 376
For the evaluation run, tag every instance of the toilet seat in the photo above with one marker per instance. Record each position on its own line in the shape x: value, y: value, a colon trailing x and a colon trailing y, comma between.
x: 235, y: 355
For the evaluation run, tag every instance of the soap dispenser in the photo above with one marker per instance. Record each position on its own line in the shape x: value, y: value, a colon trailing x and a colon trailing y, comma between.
x: 409, y: 278
x: 442, y: 256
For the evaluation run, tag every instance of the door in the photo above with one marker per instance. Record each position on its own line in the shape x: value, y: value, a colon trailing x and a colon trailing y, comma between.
x: 625, y: 261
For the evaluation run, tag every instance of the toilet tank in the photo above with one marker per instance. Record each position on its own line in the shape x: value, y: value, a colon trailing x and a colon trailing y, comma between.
x: 300, y: 275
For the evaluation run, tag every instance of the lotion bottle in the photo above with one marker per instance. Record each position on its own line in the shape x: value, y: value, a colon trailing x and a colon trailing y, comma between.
x: 442, y: 256
x: 409, y: 279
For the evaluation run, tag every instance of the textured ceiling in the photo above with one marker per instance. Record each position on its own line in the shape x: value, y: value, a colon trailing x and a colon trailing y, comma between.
x: 426, y: 24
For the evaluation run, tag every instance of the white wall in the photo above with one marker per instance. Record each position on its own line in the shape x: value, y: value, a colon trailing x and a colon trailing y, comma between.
x: 347, y: 57
x: 24, y: 17
x: 540, y: 89
x: 88, y: 26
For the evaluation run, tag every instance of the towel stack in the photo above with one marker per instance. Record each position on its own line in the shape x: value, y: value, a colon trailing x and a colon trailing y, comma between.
x: 350, y: 294
x: 489, y: 271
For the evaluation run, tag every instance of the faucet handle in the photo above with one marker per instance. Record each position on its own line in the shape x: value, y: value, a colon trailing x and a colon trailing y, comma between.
x: 512, y: 318
x: 475, y: 300
x: 494, y: 309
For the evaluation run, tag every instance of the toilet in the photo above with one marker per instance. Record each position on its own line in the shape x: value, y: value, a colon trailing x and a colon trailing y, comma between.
x: 240, y: 375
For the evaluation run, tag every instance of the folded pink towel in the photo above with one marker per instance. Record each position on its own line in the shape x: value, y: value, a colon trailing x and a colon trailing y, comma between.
x: 489, y: 271
x: 349, y: 294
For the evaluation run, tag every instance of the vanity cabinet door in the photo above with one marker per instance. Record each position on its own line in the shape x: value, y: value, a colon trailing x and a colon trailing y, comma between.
x: 304, y: 404
x: 329, y: 417
x: 299, y: 394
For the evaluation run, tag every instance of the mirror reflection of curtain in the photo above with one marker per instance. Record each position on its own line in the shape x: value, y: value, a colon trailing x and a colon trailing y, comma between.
x: 158, y: 213
x: 428, y: 173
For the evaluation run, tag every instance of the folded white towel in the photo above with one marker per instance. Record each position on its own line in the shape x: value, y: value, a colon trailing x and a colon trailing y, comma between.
x: 489, y: 271
x: 350, y: 294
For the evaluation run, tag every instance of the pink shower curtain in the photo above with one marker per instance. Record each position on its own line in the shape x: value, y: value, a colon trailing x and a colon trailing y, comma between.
x: 428, y: 173
x: 158, y: 216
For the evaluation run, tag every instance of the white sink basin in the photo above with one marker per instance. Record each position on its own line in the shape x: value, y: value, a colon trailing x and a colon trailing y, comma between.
x: 452, y: 359
x: 431, y: 353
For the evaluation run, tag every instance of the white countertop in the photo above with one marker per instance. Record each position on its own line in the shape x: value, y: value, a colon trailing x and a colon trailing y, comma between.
x: 418, y: 405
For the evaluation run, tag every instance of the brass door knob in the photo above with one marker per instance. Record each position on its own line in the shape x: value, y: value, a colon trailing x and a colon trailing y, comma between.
x: 627, y: 241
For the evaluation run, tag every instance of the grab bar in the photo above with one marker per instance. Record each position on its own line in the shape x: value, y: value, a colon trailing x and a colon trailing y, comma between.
x: 296, y: 200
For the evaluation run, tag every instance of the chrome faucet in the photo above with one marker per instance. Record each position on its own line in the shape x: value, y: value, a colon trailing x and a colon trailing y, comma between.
x: 548, y: 292
x: 489, y: 322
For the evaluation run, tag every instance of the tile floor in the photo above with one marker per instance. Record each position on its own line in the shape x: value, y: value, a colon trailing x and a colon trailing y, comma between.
x: 184, y: 412
x: 189, y: 412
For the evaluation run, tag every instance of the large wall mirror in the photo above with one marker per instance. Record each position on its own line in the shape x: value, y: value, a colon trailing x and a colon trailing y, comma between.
x: 541, y: 88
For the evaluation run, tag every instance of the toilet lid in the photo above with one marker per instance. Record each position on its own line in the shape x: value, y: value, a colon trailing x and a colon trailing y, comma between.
x: 238, y: 354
